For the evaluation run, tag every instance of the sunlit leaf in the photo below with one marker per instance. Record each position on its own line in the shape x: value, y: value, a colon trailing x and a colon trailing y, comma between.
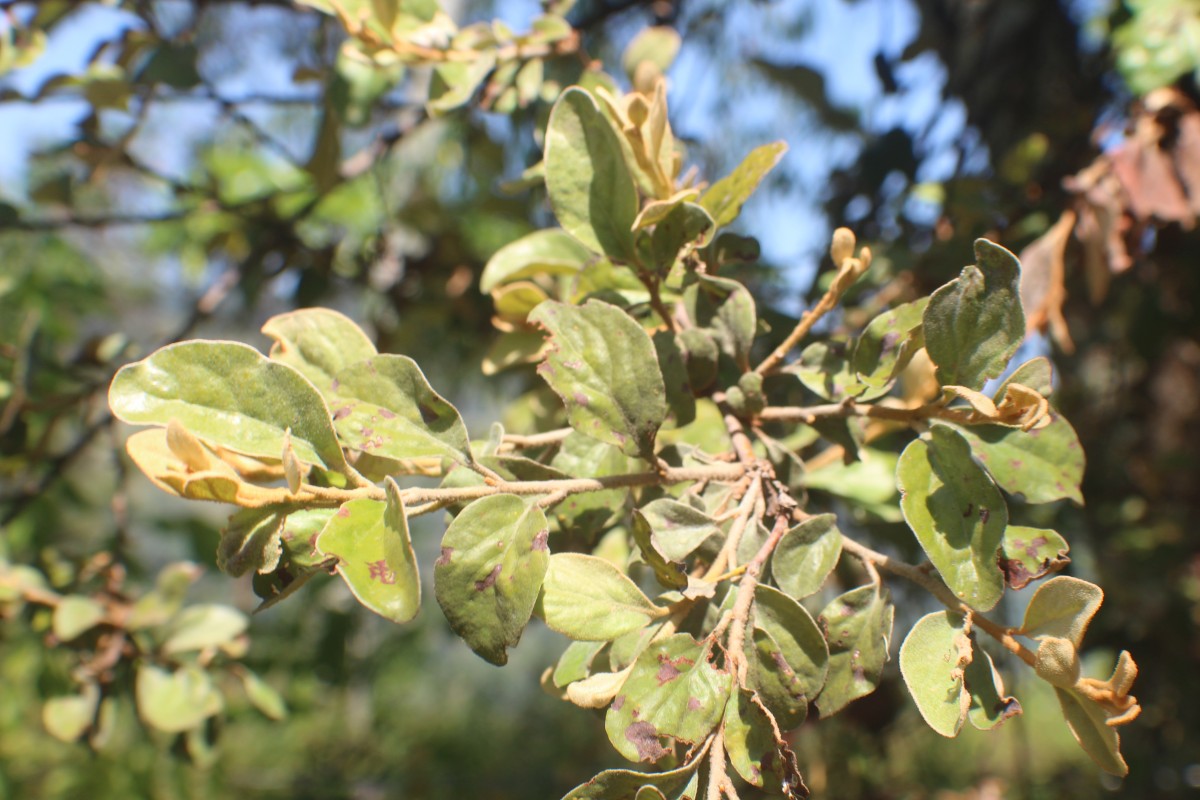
x: 67, y: 718
x: 624, y: 784
x: 177, y: 701
x: 932, y: 660
x: 974, y: 324
x: 806, y: 555
x: 725, y: 310
x: 202, y: 626
x: 1088, y: 723
x: 318, y: 343
x: 604, y: 367
x: 787, y: 654
x: 490, y: 570
x: 888, y: 342
x: 262, y: 695
x: 1039, y: 465
x: 678, y: 528
x: 545, y: 252
x: 990, y: 707
x: 1031, y: 553
x: 725, y: 197
x: 957, y: 514
x: 1062, y: 607
x: 858, y: 627
x: 674, y: 693
x: 589, y: 599
x: 75, y: 615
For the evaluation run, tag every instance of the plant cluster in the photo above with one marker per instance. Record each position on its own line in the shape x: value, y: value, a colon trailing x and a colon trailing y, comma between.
x: 666, y: 506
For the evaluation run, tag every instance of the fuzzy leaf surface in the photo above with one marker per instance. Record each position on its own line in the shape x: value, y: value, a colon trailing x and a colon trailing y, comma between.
x: 588, y: 599
x: 724, y: 198
x: 1031, y: 553
x: 974, y: 324
x: 858, y: 627
x: 604, y: 367
x: 1062, y: 607
x: 806, y: 555
x: 1039, y: 466
x: 487, y: 578
x: 957, y: 514
x: 544, y: 252
x: 318, y: 343
x: 932, y: 660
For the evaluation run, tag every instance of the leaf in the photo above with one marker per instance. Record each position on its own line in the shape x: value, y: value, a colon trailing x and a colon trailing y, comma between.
x: 673, y: 693
x: 788, y: 656
x: 598, y: 690
x: 806, y: 555
x: 604, y: 367
x: 1062, y: 607
x: 590, y: 188
x: 545, y: 252
x: 932, y: 660
x: 68, y: 718
x: 76, y: 615
x: 678, y: 528
x: 974, y: 324
x: 487, y: 578
x: 858, y: 627
x: 1039, y: 466
x: 579, y: 456
x: 1088, y: 723
x: 454, y: 82
x: 575, y: 663
x: 824, y: 369
x: 262, y: 696
x: 870, y: 482
x: 1031, y: 553
x: 375, y: 556
x: 657, y: 44
x: 174, y: 702
x: 990, y: 707
x: 957, y: 514
x: 680, y: 400
x: 588, y: 599
x: 624, y: 784
x: 751, y: 746
x: 686, y: 227
x: 299, y: 536
x: 726, y: 309
x: 203, y: 626
x: 1036, y: 373
x: 888, y: 342
x: 228, y: 394
x: 385, y: 407
x: 725, y: 197
x: 318, y: 343
x: 670, y: 574
x: 251, y: 540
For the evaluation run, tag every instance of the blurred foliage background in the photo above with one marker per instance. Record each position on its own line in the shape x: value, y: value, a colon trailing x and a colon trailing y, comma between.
x: 180, y: 168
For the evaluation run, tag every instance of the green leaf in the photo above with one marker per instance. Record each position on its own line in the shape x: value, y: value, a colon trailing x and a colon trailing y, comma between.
x: 858, y: 627
x: 806, y: 555
x: 591, y: 190
x: 751, y: 746
x: 375, y: 556
x: 318, y: 343
x: 673, y: 693
x: 67, y: 718
x: 603, y: 365
x: 579, y: 456
x: 454, y: 82
x: 1036, y: 373
x: 1088, y: 723
x: 957, y: 514
x: 229, y: 394
x: 686, y: 227
x: 726, y: 310
x: 1062, y: 607
x: 678, y: 528
x: 251, y: 540
x: 575, y: 663
x: 788, y: 656
x: 624, y: 784
x: 299, y: 535
x: 680, y: 400
x: 824, y: 369
x: 177, y: 701
x: 974, y: 324
x: 725, y: 197
x: 657, y: 44
x: 165, y: 600
x: 932, y: 660
x: 545, y: 252
x: 76, y: 615
x: 888, y: 342
x: 1031, y: 553
x: 203, y: 626
x: 487, y: 578
x: 670, y: 574
x: 588, y: 599
x: 1039, y: 466
x: 990, y: 707
x: 385, y: 407
x: 261, y: 694
x: 870, y: 482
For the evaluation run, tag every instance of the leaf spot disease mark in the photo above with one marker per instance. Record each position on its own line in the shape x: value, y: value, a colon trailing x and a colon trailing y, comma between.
x: 644, y: 737
x: 693, y: 704
x: 343, y: 512
x: 383, y: 412
x: 970, y: 509
x: 620, y: 701
x: 539, y: 541
x: 444, y: 558
x: 379, y: 571
x: 428, y: 415
x: 983, y: 515
x: 489, y: 580
x: 342, y: 412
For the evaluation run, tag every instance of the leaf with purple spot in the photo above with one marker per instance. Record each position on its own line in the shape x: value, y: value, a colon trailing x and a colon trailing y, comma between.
x: 494, y: 559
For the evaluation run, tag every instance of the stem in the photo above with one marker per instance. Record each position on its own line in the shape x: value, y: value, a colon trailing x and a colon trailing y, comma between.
x: 807, y: 320
x: 810, y: 414
x: 515, y: 441
x: 942, y: 592
x: 745, y: 598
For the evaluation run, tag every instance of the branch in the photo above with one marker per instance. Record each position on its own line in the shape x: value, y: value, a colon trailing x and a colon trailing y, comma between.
x: 849, y: 408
